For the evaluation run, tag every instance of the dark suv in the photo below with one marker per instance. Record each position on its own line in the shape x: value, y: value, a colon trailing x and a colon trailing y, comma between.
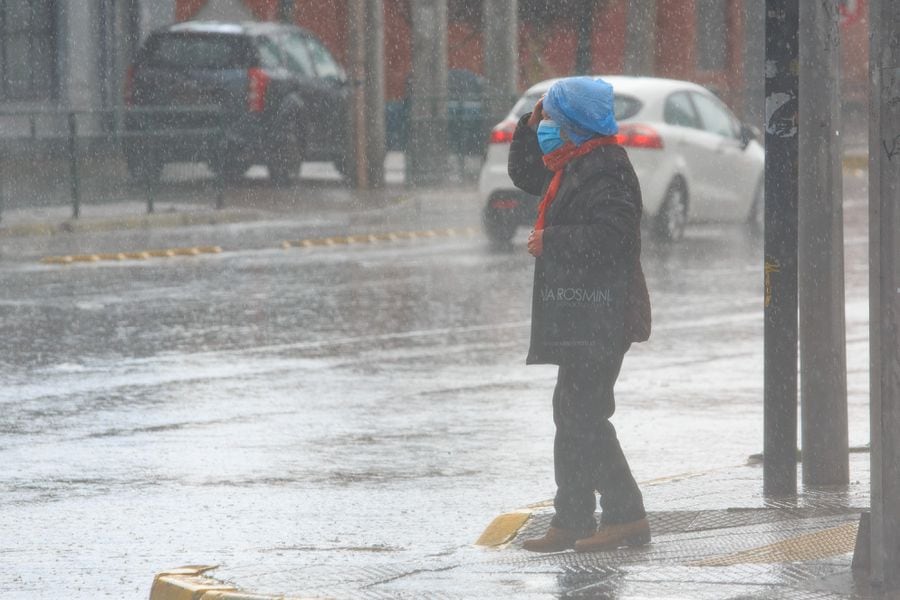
x: 234, y: 95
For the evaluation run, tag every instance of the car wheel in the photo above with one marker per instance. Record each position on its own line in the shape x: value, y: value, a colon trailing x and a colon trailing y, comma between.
x: 145, y: 169
x: 344, y: 167
x: 672, y: 217
x: 499, y: 226
x: 229, y: 169
x: 756, y: 220
x: 285, y: 163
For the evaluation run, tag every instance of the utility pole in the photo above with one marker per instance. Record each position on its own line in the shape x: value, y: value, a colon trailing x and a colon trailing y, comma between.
x: 501, y: 56
x: 426, y: 154
x: 823, y: 360
x: 884, y: 288
x: 780, y: 378
x: 640, y: 38
x: 365, y: 25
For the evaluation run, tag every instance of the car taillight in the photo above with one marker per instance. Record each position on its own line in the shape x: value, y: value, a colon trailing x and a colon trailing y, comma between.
x: 504, y: 203
x: 258, y: 83
x: 639, y: 136
x: 129, y: 86
x: 502, y: 133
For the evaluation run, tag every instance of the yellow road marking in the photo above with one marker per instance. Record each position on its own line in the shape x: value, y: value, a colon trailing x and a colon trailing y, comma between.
x: 142, y: 255
x: 372, y: 238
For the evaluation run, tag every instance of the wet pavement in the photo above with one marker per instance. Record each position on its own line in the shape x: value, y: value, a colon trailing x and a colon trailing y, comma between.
x: 327, y: 421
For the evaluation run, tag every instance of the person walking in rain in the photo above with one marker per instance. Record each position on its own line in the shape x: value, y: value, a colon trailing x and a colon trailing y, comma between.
x: 589, y: 303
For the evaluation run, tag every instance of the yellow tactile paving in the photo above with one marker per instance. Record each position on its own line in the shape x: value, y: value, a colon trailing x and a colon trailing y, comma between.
x: 811, y: 546
x: 503, y: 528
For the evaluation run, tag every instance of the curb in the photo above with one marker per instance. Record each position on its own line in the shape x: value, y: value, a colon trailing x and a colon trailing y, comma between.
x: 380, y: 237
x: 191, y: 583
x: 142, y: 222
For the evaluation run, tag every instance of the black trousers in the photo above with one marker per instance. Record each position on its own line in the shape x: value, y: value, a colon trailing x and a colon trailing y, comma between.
x: 586, y: 452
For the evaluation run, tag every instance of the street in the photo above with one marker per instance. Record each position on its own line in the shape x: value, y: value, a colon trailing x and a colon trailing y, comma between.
x: 338, y: 406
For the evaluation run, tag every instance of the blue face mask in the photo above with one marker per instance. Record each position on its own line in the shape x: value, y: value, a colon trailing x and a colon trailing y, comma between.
x: 549, y: 137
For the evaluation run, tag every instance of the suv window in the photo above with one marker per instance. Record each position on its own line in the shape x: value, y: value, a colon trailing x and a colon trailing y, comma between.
x: 680, y: 111
x: 297, y: 55
x: 326, y: 67
x: 198, y: 51
x: 715, y: 117
x: 269, y: 55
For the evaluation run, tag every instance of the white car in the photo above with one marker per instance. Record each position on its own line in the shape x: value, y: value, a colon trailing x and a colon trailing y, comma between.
x: 695, y: 161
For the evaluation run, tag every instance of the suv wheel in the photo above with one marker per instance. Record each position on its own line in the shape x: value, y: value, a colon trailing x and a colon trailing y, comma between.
x: 286, y: 160
x: 229, y: 169
x: 144, y: 169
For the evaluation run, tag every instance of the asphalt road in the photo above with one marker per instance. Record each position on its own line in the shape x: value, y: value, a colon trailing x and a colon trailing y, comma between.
x: 338, y: 404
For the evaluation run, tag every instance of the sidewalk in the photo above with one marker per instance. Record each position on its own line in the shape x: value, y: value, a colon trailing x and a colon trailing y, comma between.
x: 188, y: 197
x: 714, y: 536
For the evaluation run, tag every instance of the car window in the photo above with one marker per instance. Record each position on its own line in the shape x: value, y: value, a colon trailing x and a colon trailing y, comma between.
x: 715, y: 117
x: 297, y: 54
x: 525, y: 104
x: 198, y: 51
x: 680, y: 111
x: 326, y: 66
x: 269, y: 55
x: 625, y: 106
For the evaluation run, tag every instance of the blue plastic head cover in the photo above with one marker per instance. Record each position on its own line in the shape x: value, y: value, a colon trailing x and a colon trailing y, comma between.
x: 583, y: 107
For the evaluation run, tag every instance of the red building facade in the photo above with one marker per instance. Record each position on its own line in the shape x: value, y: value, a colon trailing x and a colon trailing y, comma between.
x: 697, y: 40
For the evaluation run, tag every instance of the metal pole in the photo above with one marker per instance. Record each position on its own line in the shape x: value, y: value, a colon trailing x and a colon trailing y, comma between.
x: 356, y: 11
x: 501, y: 56
x: 286, y: 11
x: 2, y: 187
x: 884, y: 288
x: 375, y: 86
x: 427, y: 149
x: 584, y: 26
x: 754, y: 98
x: 780, y: 385
x: 74, y: 184
x: 640, y: 36
x: 823, y: 361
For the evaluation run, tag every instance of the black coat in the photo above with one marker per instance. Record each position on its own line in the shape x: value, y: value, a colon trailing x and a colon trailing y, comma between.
x: 585, y: 279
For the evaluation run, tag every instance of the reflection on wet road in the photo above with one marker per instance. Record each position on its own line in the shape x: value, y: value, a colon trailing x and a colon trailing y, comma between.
x: 337, y: 404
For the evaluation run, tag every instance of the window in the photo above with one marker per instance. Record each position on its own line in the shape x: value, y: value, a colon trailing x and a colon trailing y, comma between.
x: 27, y: 49
x: 297, y: 54
x: 326, y: 67
x: 679, y: 111
x: 198, y: 51
x: 712, y: 32
x: 269, y: 55
x: 715, y: 117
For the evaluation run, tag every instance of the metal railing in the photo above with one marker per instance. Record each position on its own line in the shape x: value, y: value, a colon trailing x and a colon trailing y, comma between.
x: 112, y: 125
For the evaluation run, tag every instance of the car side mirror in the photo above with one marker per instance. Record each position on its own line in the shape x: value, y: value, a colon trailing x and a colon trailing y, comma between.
x: 749, y: 133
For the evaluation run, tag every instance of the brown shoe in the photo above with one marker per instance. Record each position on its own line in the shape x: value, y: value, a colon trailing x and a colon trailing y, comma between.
x: 555, y: 540
x: 610, y: 537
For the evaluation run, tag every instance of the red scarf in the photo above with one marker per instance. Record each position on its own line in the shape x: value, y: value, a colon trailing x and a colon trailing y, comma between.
x: 556, y: 162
